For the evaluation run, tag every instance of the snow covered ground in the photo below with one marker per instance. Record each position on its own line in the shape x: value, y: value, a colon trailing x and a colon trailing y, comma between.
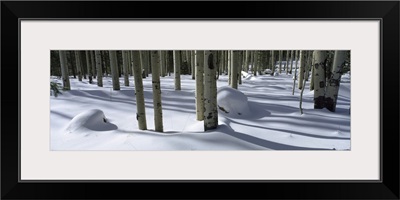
x: 93, y: 118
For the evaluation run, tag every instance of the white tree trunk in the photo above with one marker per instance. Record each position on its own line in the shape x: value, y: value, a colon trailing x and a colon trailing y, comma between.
x: 155, y: 75
x: 144, y: 61
x: 99, y: 70
x: 199, y: 84
x: 210, y: 91
x: 228, y: 53
x: 234, y: 70
x: 162, y: 62
x: 125, y: 65
x: 78, y: 64
x: 140, y: 105
x: 273, y: 61
x: 307, y: 64
x: 193, y: 64
x: 294, y: 75
x: 241, y: 65
x: 312, y: 72
x: 287, y: 61
x: 89, y: 72
x: 114, y: 70
x: 177, y: 70
x: 64, y: 70
x: 280, y: 61
x: 319, y: 79
x: 303, y: 59
x: 332, y: 89
x: 291, y: 61
x: 93, y: 64
x: 246, y: 61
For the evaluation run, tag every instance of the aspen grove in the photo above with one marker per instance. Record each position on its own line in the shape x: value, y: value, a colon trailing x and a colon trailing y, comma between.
x: 190, y: 99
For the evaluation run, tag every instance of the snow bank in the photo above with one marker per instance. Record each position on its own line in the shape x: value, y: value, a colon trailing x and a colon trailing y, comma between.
x: 92, y: 119
x: 232, y: 102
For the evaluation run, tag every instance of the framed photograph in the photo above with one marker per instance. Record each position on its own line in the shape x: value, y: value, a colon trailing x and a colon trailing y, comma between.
x: 297, y: 97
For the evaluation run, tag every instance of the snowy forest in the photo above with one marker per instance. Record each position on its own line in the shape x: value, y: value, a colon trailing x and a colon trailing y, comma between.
x: 200, y: 100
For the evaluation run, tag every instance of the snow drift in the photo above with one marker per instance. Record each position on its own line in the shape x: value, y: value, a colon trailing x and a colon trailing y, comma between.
x: 94, y: 120
x: 232, y: 102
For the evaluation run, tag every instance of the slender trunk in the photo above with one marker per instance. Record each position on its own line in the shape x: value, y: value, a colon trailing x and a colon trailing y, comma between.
x: 312, y: 73
x: 199, y: 56
x: 280, y: 61
x: 246, y: 61
x: 229, y: 66
x: 71, y: 63
x: 193, y: 64
x: 143, y: 62
x: 332, y: 89
x: 99, y: 70
x: 177, y: 69
x: 140, y: 106
x: 88, y: 66
x: 64, y: 70
x: 303, y: 59
x: 93, y: 64
x: 155, y: 75
x: 254, y: 62
x: 295, y: 73
x: 287, y: 62
x: 234, y: 70
x: 291, y: 61
x: 78, y: 65
x: 307, y: 63
x: 241, y: 67
x: 125, y: 64
x: 319, y: 79
x: 210, y: 91
x: 114, y: 69
x: 273, y: 61
x: 83, y: 59
x: 162, y: 63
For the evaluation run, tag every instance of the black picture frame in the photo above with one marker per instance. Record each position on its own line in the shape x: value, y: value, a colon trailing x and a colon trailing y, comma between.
x: 386, y: 11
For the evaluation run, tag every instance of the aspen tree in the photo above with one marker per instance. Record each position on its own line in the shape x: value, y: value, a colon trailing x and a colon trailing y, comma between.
x: 140, y: 105
x: 64, y: 70
x: 114, y: 70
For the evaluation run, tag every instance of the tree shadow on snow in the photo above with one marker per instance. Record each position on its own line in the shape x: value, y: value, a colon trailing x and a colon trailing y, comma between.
x: 261, y: 142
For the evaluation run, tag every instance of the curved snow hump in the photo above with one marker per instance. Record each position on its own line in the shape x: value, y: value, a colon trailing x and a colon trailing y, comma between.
x: 232, y: 102
x: 91, y: 119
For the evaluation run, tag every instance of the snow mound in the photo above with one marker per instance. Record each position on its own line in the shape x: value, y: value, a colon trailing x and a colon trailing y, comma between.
x: 267, y: 71
x: 232, y: 102
x: 92, y: 119
x: 246, y: 76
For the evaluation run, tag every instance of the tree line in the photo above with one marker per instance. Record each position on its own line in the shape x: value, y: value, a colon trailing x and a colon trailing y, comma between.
x: 205, y: 66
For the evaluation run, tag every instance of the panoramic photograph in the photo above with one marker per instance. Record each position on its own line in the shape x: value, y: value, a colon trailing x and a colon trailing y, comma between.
x: 204, y: 100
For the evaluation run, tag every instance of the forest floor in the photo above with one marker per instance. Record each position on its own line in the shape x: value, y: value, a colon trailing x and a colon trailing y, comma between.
x: 270, y: 120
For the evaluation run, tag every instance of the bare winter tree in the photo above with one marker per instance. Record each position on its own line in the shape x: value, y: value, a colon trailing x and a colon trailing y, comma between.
x: 64, y: 70
x: 280, y: 61
x: 210, y: 91
x: 140, y: 106
x: 234, y: 70
x: 93, y: 64
x: 177, y: 70
x: 199, y: 57
x: 303, y: 59
x: 319, y: 79
x: 78, y: 64
x: 306, y: 56
x: 99, y: 69
x: 144, y: 62
x: 155, y: 75
x: 114, y: 70
x: 88, y: 65
x: 332, y: 89
x: 125, y: 66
